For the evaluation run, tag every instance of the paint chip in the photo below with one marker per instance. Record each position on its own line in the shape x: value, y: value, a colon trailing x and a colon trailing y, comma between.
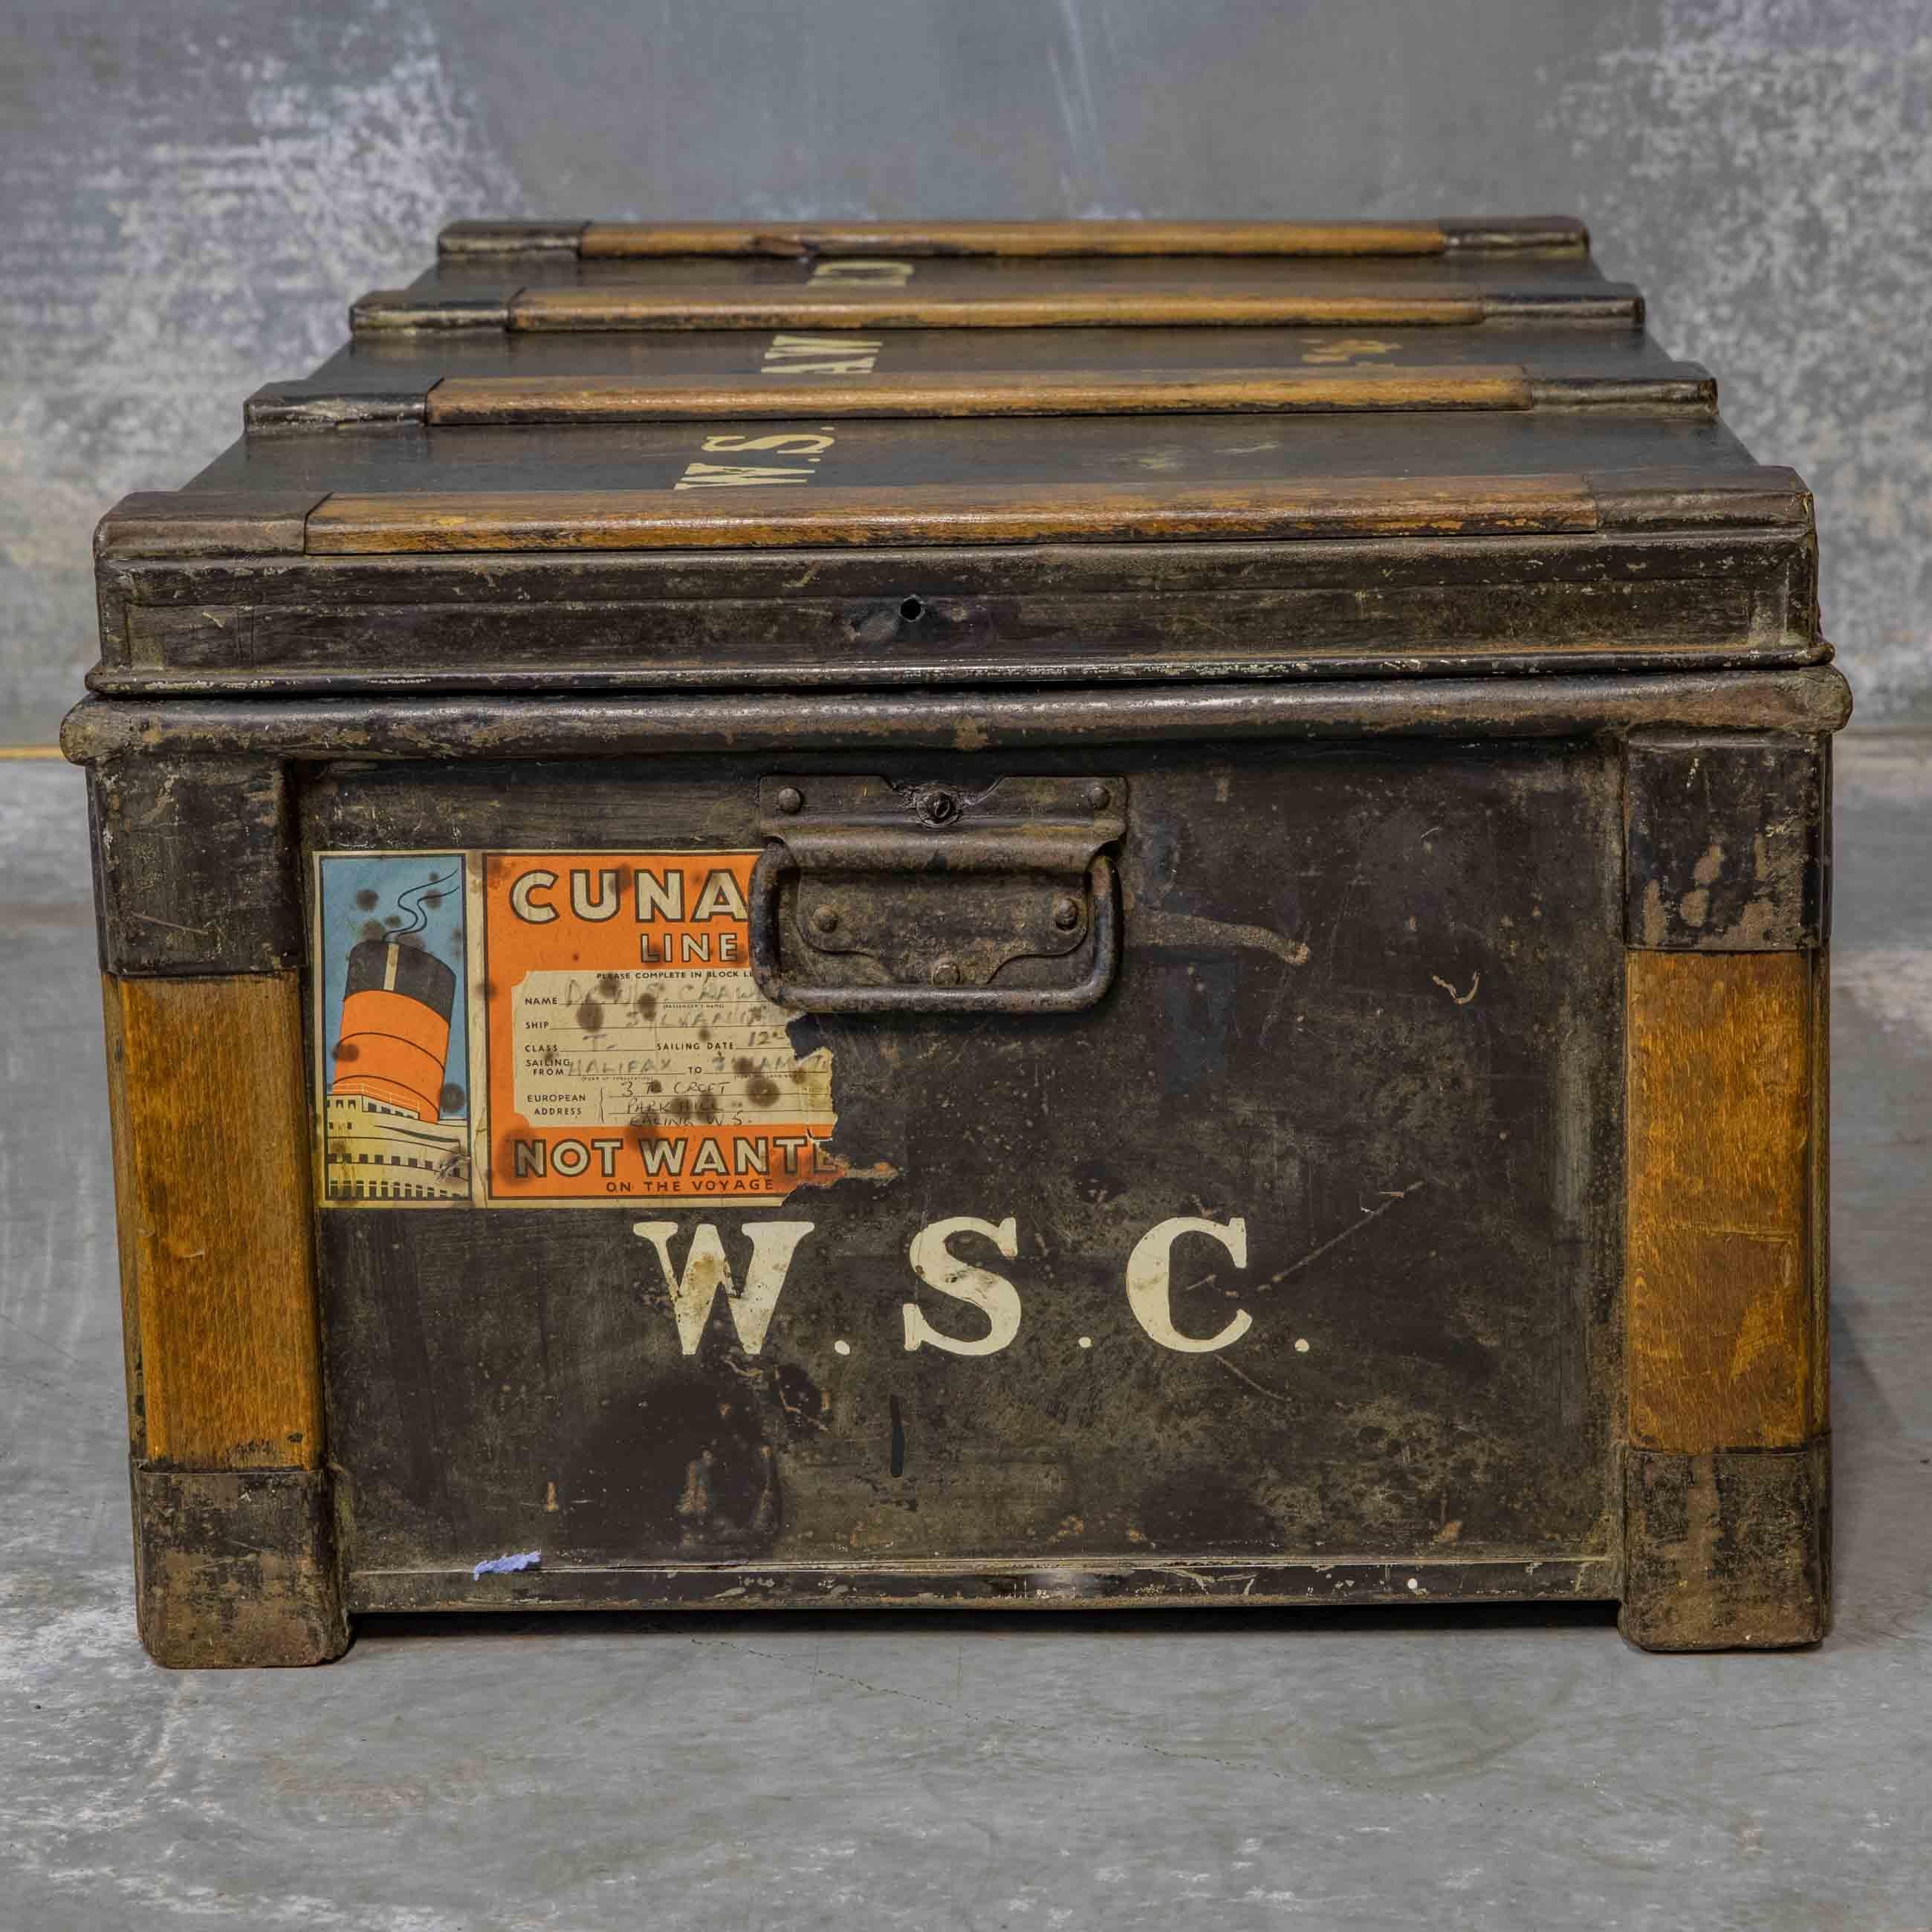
x: 1301, y: 1345
x: 506, y: 1566
x: 1086, y: 1341
x: 1415, y: 1582
x: 841, y: 1348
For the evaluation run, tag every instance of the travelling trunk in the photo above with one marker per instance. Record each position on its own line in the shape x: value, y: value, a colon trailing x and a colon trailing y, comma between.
x: 1044, y: 915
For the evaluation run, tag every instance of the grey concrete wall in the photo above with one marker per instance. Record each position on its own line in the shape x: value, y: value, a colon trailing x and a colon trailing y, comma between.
x: 194, y: 188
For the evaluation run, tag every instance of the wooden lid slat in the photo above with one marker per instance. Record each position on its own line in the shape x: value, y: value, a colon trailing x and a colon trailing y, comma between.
x: 776, y: 518
x: 845, y: 307
x: 635, y: 240
x: 563, y: 399
x: 622, y: 239
x: 627, y: 306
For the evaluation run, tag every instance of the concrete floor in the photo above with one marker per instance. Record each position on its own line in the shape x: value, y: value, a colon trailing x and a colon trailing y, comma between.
x: 1432, y: 1768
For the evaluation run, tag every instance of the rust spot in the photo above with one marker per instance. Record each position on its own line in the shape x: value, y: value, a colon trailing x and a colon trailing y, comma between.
x: 654, y: 1087
x: 803, y: 1402
x: 704, y: 1033
x: 608, y: 986
x: 761, y: 1090
x: 347, y: 1049
x: 742, y: 1065
x: 707, y: 1108
x: 1656, y: 919
x: 372, y: 929
x: 679, y: 1109
x: 366, y: 899
x: 452, y: 1097
x: 831, y: 1170
x: 647, y: 1005
x: 590, y: 1017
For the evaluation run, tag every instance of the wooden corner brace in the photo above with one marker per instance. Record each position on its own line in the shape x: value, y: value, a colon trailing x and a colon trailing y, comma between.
x: 1727, y: 1470
x: 235, y: 1562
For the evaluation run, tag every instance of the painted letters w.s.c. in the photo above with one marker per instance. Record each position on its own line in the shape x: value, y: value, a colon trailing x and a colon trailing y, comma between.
x: 693, y: 1288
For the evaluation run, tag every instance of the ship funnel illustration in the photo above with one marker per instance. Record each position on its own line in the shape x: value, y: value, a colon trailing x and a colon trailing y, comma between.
x: 395, y: 1038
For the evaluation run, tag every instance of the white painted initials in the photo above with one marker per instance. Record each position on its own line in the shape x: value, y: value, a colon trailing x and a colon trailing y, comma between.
x: 994, y: 1296
x: 792, y: 442
x: 1149, y: 1279
x: 873, y: 272
x: 735, y: 476
x: 700, y: 475
x: 707, y: 1270
x: 821, y: 355
x: 693, y: 1290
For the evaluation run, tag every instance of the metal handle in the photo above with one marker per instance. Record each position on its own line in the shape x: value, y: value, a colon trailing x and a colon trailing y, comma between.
x: 775, y: 861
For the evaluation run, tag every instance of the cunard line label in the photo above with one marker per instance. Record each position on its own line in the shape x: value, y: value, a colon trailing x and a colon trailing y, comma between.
x: 629, y: 1053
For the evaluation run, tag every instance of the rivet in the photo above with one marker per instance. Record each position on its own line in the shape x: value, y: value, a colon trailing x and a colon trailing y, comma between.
x: 790, y: 798
x: 825, y: 919
x: 1098, y: 795
x: 1066, y: 913
x: 945, y: 973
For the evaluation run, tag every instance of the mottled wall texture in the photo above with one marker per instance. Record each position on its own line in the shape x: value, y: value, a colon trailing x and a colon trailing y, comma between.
x: 195, y: 188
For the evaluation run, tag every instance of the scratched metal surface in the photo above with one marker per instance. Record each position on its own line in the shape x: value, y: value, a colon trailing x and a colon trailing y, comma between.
x: 196, y: 188
x: 1465, y: 1769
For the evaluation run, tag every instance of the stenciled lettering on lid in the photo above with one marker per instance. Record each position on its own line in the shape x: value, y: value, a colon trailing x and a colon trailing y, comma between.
x: 821, y: 355
x: 804, y: 448
x: 866, y: 272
